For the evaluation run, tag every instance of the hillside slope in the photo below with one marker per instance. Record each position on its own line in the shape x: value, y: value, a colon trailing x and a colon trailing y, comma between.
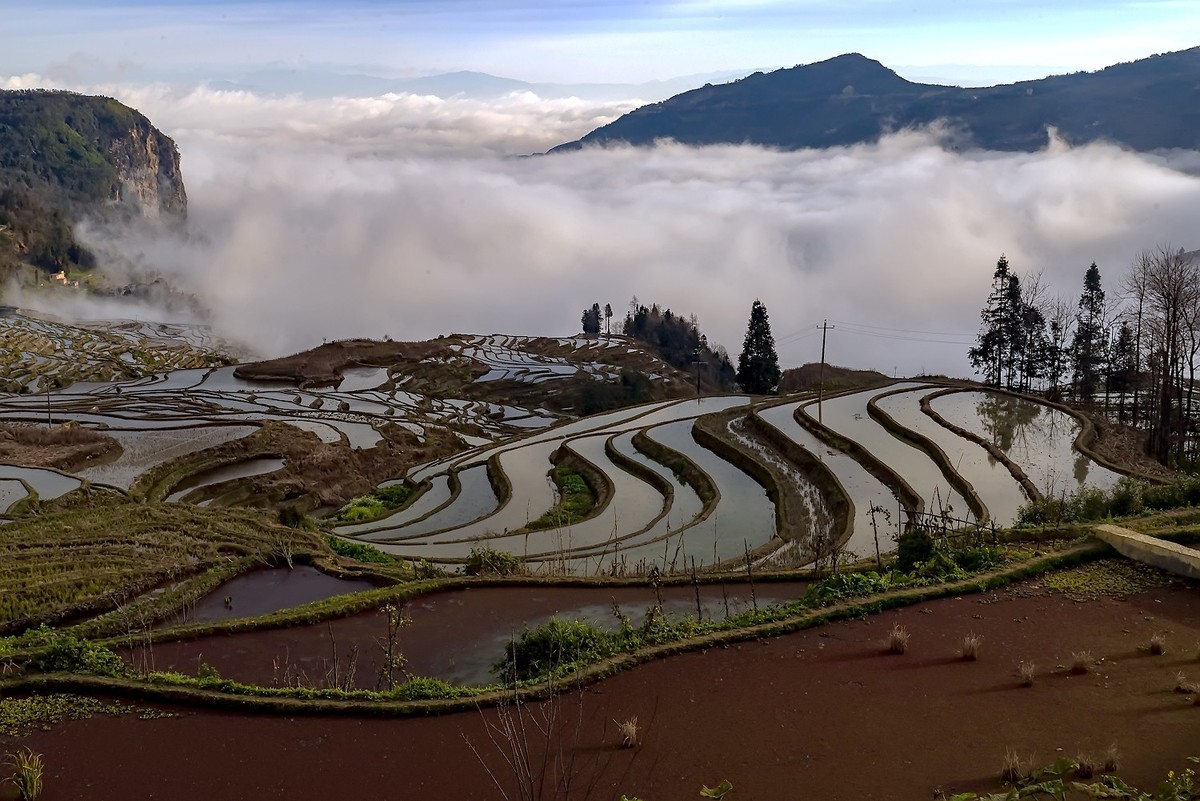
x: 64, y: 157
x: 1148, y: 104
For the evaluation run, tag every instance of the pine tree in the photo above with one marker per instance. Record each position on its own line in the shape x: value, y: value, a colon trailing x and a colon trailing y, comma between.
x: 991, y: 355
x: 758, y: 365
x: 1089, y: 347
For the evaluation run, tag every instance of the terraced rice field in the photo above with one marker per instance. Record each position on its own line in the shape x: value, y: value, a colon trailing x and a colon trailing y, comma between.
x: 668, y: 494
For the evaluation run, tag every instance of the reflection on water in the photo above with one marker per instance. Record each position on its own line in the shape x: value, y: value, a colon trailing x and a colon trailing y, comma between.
x: 1037, y: 437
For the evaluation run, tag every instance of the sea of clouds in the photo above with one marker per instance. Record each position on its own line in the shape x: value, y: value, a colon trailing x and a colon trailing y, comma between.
x: 410, y: 216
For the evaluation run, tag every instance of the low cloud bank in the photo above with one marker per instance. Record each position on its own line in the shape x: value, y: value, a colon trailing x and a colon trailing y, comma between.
x: 322, y: 219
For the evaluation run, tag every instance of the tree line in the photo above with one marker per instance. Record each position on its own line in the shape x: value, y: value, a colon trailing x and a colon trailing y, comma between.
x: 679, y: 342
x: 1133, y: 355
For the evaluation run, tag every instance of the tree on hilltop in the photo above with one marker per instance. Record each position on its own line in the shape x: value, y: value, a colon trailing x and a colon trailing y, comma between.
x: 591, y: 319
x: 758, y: 366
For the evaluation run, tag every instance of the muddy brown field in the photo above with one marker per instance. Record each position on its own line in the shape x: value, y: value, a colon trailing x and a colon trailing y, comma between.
x: 822, y: 713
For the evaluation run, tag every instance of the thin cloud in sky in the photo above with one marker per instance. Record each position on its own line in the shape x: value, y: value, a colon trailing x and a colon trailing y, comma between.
x: 589, y: 41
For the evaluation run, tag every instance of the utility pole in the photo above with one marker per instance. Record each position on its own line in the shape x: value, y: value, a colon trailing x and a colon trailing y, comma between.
x: 696, y: 360
x: 824, y: 326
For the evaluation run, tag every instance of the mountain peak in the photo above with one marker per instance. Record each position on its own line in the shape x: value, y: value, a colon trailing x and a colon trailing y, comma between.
x: 850, y: 99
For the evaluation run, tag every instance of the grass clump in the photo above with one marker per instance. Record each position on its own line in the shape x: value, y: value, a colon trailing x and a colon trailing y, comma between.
x: 969, y: 649
x: 1182, y: 685
x: 1013, y: 768
x: 897, y: 641
x: 28, y: 768
x: 1158, y: 644
x: 631, y: 733
x: 1026, y: 672
x: 1081, y: 663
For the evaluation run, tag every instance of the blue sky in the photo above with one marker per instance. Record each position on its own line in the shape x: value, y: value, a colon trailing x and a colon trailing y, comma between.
x: 584, y: 40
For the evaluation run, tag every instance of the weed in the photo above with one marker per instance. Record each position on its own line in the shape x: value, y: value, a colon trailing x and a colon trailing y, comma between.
x: 1112, y: 759
x: 1026, y: 672
x: 1081, y: 662
x: 630, y: 732
x: 969, y: 650
x: 1158, y: 643
x: 897, y: 642
x: 1013, y: 768
x: 28, y: 768
x: 483, y: 561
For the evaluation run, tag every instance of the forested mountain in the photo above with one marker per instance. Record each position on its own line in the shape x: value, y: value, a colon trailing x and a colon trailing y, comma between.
x: 64, y: 157
x: 1147, y: 104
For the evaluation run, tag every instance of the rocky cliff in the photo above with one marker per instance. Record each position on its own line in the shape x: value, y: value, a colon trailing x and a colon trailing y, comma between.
x: 66, y: 157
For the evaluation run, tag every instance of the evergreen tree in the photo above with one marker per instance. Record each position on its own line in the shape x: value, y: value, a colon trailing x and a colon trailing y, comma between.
x: 990, y: 355
x: 758, y: 366
x: 1089, y: 346
x: 608, y: 314
x: 591, y: 319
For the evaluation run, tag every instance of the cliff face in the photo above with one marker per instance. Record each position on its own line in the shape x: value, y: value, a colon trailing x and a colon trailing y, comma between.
x: 147, y: 167
x: 66, y: 157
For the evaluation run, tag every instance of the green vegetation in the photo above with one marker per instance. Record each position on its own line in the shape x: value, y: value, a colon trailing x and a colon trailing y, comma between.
x: 360, y: 551
x: 575, y: 500
x: 1130, y: 496
x: 1055, y: 782
x: 483, y: 561
x: 23, y: 714
x: 378, y: 504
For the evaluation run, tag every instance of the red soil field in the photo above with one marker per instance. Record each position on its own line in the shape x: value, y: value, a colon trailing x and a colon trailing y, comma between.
x: 822, y: 713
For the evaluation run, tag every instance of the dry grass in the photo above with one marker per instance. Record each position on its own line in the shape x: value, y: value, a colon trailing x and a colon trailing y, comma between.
x: 1026, y: 672
x: 104, y: 551
x: 1013, y: 769
x: 1158, y: 643
x: 1085, y: 766
x: 630, y: 732
x: 969, y: 650
x: 897, y: 642
x: 1081, y: 662
x: 1182, y: 685
x: 1112, y: 759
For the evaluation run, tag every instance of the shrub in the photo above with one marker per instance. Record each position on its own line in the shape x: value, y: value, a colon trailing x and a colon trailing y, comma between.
x: 555, y: 644
x: 913, y: 546
x: 421, y: 688
x: 483, y: 561
x: 73, y: 655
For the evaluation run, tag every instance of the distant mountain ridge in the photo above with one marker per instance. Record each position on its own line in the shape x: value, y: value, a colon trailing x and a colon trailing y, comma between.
x: 1148, y: 104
